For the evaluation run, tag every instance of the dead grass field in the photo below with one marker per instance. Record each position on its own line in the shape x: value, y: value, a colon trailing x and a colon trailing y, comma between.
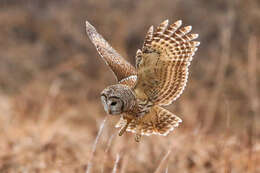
x: 51, y: 78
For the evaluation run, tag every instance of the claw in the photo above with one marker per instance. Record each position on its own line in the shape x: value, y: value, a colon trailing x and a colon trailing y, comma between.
x: 137, y: 137
x: 138, y: 133
x: 122, y: 131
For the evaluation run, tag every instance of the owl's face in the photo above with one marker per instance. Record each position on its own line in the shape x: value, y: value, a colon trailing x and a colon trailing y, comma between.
x: 112, y: 105
x: 117, y: 99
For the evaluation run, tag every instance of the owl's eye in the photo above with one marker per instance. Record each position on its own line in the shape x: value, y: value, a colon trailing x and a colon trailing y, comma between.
x: 115, y: 106
x: 113, y: 103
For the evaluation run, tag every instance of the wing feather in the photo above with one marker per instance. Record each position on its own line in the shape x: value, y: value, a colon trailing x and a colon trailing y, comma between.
x: 162, y: 68
x: 120, y: 67
x: 129, y: 81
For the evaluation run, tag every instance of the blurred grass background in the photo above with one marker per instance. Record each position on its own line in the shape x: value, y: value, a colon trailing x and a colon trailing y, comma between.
x: 51, y: 77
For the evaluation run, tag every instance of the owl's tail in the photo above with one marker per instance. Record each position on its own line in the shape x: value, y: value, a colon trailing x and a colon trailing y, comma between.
x: 158, y: 121
x: 165, y: 121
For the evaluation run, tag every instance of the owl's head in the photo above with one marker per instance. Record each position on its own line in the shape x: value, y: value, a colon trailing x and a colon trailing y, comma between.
x: 117, y: 99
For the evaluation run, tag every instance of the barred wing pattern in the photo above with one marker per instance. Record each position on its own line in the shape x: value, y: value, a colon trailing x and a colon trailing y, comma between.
x: 162, y: 64
x: 129, y: 81
x: 121, y: 68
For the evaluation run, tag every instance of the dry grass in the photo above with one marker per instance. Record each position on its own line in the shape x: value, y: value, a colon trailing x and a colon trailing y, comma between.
x: 51, y: 119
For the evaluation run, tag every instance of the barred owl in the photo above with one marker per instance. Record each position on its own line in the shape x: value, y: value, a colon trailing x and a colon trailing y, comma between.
x: 158, y: 78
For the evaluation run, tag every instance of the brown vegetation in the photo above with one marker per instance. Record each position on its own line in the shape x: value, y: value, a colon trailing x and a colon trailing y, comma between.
x: 51, y: 77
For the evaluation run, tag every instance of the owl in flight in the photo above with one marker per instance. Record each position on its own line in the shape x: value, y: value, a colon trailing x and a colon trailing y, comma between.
x: 158, y: 78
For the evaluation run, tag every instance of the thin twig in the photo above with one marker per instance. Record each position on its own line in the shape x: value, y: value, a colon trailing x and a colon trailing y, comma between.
x: 253, y: 99
x: 53, y: 92
x: 124, y: 164
x: 116, y: 163
x: 95, y: 145
x: 106, y: 151
x: 224, y: 61
x: 163, y: 162
x: 166, y: 170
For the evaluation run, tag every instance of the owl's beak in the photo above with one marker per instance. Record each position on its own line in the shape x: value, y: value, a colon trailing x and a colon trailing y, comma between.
x: 110, y: 112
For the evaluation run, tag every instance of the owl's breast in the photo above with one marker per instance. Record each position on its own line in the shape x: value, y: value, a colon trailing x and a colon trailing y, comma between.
x: 143, y: 107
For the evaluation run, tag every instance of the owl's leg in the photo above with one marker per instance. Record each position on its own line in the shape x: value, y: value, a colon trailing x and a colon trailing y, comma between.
x: 122, y: 130
x: 138, y: 133
x: 138, y: 137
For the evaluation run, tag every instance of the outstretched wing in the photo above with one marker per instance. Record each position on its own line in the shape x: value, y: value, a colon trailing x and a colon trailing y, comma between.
x: 162, y: 64
x: 158, y: 121
x: 121, y: 68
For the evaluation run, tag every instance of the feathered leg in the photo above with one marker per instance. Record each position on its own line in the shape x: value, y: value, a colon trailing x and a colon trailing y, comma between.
x: 138, y: 133
x: 122, y: 130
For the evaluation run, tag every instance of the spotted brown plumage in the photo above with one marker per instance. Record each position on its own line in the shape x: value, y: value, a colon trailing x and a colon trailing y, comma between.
x: 159, y: 77
x: 120, y: 67
x: 166, y: 55
x: 158, y: 121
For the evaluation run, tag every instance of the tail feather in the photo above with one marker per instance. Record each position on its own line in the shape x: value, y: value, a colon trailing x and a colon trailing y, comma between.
x: 158, y: 122
x: 167, y: 121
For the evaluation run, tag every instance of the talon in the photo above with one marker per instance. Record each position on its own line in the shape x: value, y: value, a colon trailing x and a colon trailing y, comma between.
x: 122, y: 131
x: 137, y: 137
